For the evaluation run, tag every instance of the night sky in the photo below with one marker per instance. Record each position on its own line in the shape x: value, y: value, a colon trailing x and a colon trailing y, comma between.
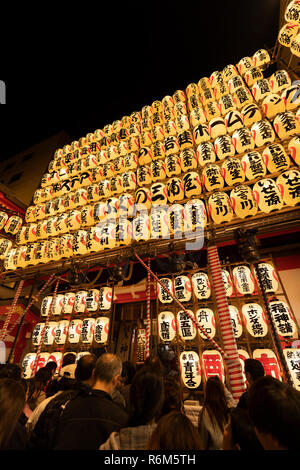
x: 80, y: 69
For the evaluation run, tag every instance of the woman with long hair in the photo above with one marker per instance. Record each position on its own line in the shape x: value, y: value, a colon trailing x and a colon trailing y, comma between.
x: 12, y: 402
x: 175, y: 431
x: 214, y: 414
x: 146, y: 400
x: 37, y: 387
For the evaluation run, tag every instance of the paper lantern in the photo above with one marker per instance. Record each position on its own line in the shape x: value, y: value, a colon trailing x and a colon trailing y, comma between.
x: 143, y: 198
x: 119, y: 165
x: 169, y: 129
x: 269, y: 361
x: 175, y: 187
x: 60, y: 225
x: 267, y: 195
x: 201, y: 134
x: 233, y: 121
x: 275, y: 158
x: 105, y: 298
x: 87, y: 330
x: 21, y: 256
x: 79, y: 244
x: 74, y: 331
x: 66, y: 245
x: 49, y: 333
x: 163, y: 296
x: 190, y: 369
x: 251, y: 114
x: 224, y: 147
x: 183, y: 288
x: 197, y: 116
x: 100, y: 211
x: 226, y: 104
x: 217, y: 127
x: 57, y: 304
x: 80, y: 301
x: 286, y: 125
x: 261, y: 59
x: 53, y: 250
x: 186, y: 328
x: 291, y: 97
x: 236, y: 321
x: 253, y: 75
x: 13, y: 224
x: 133, y: 143
x: 194, y: 102
x: 92, y: 299
x: 108, y: 170
x: 262, y: 133
x: 243, y: 280
x: 158, y: 150
x: 145, y: 155
x: 268, y: 277
x: 175, y: 218
x: 272, y: 105
x: 206, y: 96
x: 195, y: 217
x: 68, y: 303
x: 188, y: 160
x: 255, y: 320
x: 211, y: 110
x: 126, y: 205
x: 204, y: 83
x: 185, y: 140
x: 141, y: 227
x: 192, y: 184
x: 3, y: 219
x: 37, y: 334
x: 261, y: 89
x: 220, y: 208
x: 244, y: 65
x: 232, y: 171
x: 228, y: 72
x: 108, y: 238
x: 292, y: 12
x: 10, y: 260
x: 158, y: 170
x: 206, y: 153
x: 166, y: 326
x: 206, y: 319
x: 221, y: 89
x: 158, y: 133
x: 192, y: 89
x: 73, y: 221
x: 129, y: 180
x: 227, y: 283
x: 87, y: 216
x: 242, y: 140
x: 115, y: 185
x: 242, y: 97
x: 101, y: 330
x: 93, y: 240
x: 124, y: 232
x: 171, y: 145
x: 287, y: 33
x: 159, y: 223
x: 212, y: 177
x: 234, y: 83
x: 201, y: 286
x: 5, y: 247
x: 143, y: 175
x: 66, y: 202
x: 295, y: 46
x: 280, y: 80
x: 292, y: 357
x: 159, y: 194
x: 42, y: 360
x: 172, y: 165
x: 294, y: 149
x: 289, y: 185
x: 253, y: 165
x: 242, y: 201
x: 213, y: 364
x: 56, y: 357
x: 29, y: 214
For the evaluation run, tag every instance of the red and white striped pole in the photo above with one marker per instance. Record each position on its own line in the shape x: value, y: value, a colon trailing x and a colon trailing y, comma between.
x: 237, y: 383
x: 148, y: 327
x: 12, y: 310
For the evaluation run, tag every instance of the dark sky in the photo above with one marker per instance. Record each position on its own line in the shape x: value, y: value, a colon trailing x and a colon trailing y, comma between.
x: 80, y: 67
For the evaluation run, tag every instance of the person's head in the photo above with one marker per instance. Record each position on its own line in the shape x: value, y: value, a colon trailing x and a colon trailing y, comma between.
x: 175, y: 431
x: 155, y: 363
x: 274, y: 408
x: 146, y: 396
x: 215, y: 401
x: 128, y: 372
x: 12, y: 402
x: 52, y: 366
x: 107, y: 372
x: 84, y: 368
x: 253, y: 370
x: 239, y: 433
x: 69, y: 358
x: 173, y: 395
x: 10, y: 371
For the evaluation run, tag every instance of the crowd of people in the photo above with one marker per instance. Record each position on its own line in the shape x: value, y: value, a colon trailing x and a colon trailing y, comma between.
x: 100, y: 403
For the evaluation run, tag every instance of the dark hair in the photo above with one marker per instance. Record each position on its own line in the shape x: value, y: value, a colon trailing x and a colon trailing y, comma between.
x: 85, y: 367
x: 146, y: 396
x: 254, y: 368
x: 175, y: 431
x: 37, y: 384
x: 69, y: 358
x: 107, y: 367
x: 128, y: 371
x: 242, y: 430
x: 172, y: 393
x: 12, y: 402
x: 10, y: 371
x: 52, y: 366
x: 274, y: 408
x: 155, y: 363
x: 215, y: 402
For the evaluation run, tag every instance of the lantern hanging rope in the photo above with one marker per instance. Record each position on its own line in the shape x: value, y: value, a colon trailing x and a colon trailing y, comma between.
x: 148, y: 328
x: 193, y: 319
x: 236, y: 379
x: 44, y: 329
x: 12, y: 310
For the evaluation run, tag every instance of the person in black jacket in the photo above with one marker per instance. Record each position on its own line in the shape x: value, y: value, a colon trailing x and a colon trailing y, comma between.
x: 253, y: 370
x: 88, y: 420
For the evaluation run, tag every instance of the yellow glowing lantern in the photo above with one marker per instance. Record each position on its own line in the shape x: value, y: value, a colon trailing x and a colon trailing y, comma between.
x: 143, y: 175
x: 13, y: 224
x: 93, y: 240
x: 190, y: 369
x: 3, y: 219
x: 192, y: 184
x: 158, y: 133
x: 146, y: 139
x: 73, y: 221
x: 283, y: 319
x: 166, y: 326
x: 194, y: 216
x: 279, y: 81
x: 261, y: 59
x: 158, y: 150
x: 102, y: 157
x: 171, y: 145
x: 175, y: 188
x: 182, y: 123
x: 244, y: 65
x: 224, y: 147
x: 159, y: 194
x: 242, y: 140
x: 175, y: 219
x: 158, y: 170
x: 234, y: 83
x: 206, y: 153
x: 192, y: 89
x: 130, y: 161
x: 272, y: 105
x: 115, y: 185
x: 20, y: 256
x: 242, y: 201
x: 242, y: 96
x: 261, y: 89
x: 294, y: 149
x: 143, y: 198
x: 185, y: 140
x: 228, y: 72
x: 232, y: 171
x: 126, y: 205
x: 253, y: 165
x: 204, y: 83
x: 233, y: 121
x: 217, y: 127
x: 267, y: 195
x: 220, y: 89
x: 41, y: 232
x: 188, y: 160
x: 141, y: 227
x: 212, y: 177
x: 287, y: 33
x: 197, y: 116
x: 87, y: 215
x: 145, y: 156
x: 129, y: 181
x: 251, y: 114
x: 66, y: 245
x: 286, y: 125
x: 74, y: 331
x: 226, y: 104
x: 262, y: 133
x: 206, y: 96
x: 214, y: 78
x: 169, y: 128
x: 253, y: 75
x: 201, y: 134
x: 295, y: 46
x: 289, y: 183
x: 168, y: 114
x: 291, y: 97
x: 172, y: 165
x: 211, y: 110
x: 220, y: 207
x: 112, y: 205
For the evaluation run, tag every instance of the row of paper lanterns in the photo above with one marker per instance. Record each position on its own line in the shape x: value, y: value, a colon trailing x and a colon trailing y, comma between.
x: 289, y: 34
x: 10, y: 224
x: 252, y: 314
x: 80, y: 302
x: 243, y: 281
x: 84, y: 330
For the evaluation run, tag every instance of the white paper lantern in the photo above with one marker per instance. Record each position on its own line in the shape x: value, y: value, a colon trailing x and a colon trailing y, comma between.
x: 190, y: 369
x: 206, y: 153
x: 87, y: 330
x: 13, y: 224
x: 206, y: 319
x: 143, y: 175
x: 269, y: 277
x: 224, y: 147
x: 242, y: 201
x: 253, y: 165
x: 294, y: 149
x: 262, y: 133
x: 275, y: 158
x: 163, y: 296
x: 253, y: 75
x: 255, y: 320
x: 74, y: 331
x: 192, y: 184
x: 49, y: 333
x: 42, y: 360
x: 269, y: 361
x: 27, y: 365
x: 292, y: 357
x: 201, y: 286
x: 80, y: 301
x: 68, y: 303
x: 243, y: 140
x: 295, y: 46
x: 228, y: 72
x: 286, y: 125
x: 101, y: 330
x: 282, y: 316
x: 227, y: 283
x: 195, y: 216
x: 37, y: 334
x: 236, y: 321
x: 212, y: 177
x: 56, y: 357
x: 243, y: 280
x: 272, y: 105
x: 242, y: 97
x: 201, y: 134
x: 186, y: 328
x: 234, y: 83
x: 143, y: 198
x: 291, y: 97
x: 226, y: 104
x: 175, y: 187
x: 244, y: 65
x: 197, y: 117
x: 183, y: 288
x: 220, y: 207
x: 216, y: 127
x: 261, y: 89
x: 166, y: 326
x: 233, y: 121
x: 289, y: 184
x: 261, y: 59
x: 279, y: 81
x: 213, y: 364
x: 5, y: 247
x: 105, y: 298
x: 92, y: 300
